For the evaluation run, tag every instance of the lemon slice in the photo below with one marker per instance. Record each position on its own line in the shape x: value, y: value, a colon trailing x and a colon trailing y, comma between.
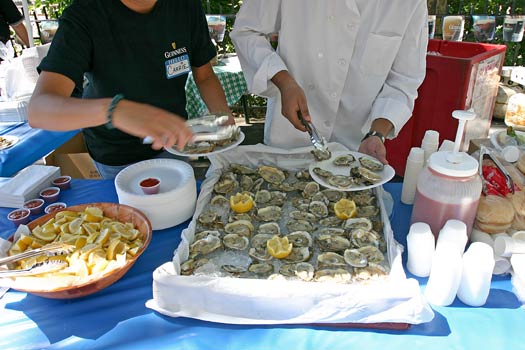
x: 93, y: 214
x: 75, y: 226
x: 241, y: 202
x: 279, y: 247
x: 115, y: 247
x: 345, y: 209
x: 46, y: 235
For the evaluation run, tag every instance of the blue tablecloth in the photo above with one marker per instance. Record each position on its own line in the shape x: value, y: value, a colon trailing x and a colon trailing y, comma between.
x: 33, y: 144
x: 116, y: 317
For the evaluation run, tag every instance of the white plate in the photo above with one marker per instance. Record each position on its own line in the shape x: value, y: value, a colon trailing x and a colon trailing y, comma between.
x: 172, y: 174
x: 9, y: 140
x: 217, y: 149
x: 386, y: 174
x: 498, y: 145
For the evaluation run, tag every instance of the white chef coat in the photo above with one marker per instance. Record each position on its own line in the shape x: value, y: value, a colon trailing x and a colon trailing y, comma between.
x: 356, y: 60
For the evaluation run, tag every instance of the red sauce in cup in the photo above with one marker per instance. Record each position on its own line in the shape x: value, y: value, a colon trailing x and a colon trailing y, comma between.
x: 149, y: 182
x: 54, y: 207
x: 17, y: 215
x: 49, y: 192
x: 32, y: 204
x: 61, y: 180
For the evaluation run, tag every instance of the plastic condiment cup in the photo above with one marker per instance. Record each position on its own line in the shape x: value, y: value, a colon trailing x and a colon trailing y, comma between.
x: 51, y: 208
x: 19, y: 216
x: 35, y: 206
x: 150, y: 185
x: 50, y: 194
x: 62, y: 182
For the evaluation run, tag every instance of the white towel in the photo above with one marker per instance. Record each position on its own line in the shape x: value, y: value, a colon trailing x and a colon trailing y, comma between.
x: 27, y: 184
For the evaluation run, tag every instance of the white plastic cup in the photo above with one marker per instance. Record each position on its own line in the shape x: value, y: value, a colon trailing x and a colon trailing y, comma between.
x: 519, y: 235
x: 478, y: 265
x: 501, y: 264
x: 507, y: 246
x: 510, y: 153
x: 414, y: 165
x: 430, y: 143
x: 445, y: 275
x: 454, y: 231
x: 446, y: 146
x: 420, y: 249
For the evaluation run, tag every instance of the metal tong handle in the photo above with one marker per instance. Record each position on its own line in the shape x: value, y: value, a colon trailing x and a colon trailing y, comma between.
x: 315, y: 137
x: 484, y: 151
x: 36, y: 269
x: 51, y: 249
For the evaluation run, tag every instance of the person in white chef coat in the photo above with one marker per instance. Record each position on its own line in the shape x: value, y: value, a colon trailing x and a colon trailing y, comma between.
x: 352, y: 67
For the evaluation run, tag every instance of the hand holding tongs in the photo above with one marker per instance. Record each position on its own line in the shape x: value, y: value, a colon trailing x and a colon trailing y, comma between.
x: 484, y: 151
x: 208, y: 128
x: 317, y: 140
x: 52, y: 249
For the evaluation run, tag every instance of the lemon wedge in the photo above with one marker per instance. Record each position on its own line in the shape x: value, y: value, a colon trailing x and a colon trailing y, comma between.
x: 345, y: 209
x: 241, y: 202
x: 279, y: 247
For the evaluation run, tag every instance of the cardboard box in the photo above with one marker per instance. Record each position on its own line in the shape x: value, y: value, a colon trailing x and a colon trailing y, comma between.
x: 73, y: 159
x: 77, y: 165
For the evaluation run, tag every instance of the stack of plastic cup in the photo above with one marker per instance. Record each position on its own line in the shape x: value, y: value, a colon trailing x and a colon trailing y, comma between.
x: 420, y: 247
x: 478, y: 264
x: 414, y: 165
x: 430, y: 143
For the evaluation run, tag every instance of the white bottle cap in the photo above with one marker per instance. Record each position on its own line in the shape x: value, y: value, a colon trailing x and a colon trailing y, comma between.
x: 511, y: 153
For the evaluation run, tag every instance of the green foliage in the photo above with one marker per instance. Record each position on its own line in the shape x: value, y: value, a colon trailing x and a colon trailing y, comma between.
x: 54, y: 8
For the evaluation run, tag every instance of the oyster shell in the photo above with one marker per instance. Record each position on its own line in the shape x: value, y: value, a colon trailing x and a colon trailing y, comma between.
x: 262, y: 196
x: 246, y: 183
x: 302, y: 215
x: 240, y: 227
x: 261, y: 268
x: 226, y: 183
x: 208, y: 217
x: 242, y: 169
x: 371, y: 164
x: 341, y: 181
x: 372, y: 271
x: 300, y: 239
x: 260, y: 254
x: 299, y: 225
x: 328, y: 243
x: 372, y: 254
x: 321, y: 155
x: 220, y: 200
x: 310, y: 189
x: 344, y: 160
x: 234, y: 269
x: 336, y: 231
x: 331, y: 221
x: 362, y: 238
x: 367, y: 211
x: 271, y: 228
x: 330, y: 260
x: 299, y: 254
x: 205, y: 245
x: 206, y: 233
x: 355, y: 223
x: 190, y: 265
x: 333, y: 195
x: 259, y: 240
x: 322, y: 172
x: 270, y: 213
x: 355, y: 258
x: 303, y: 175
x: 271, y: 174
x: 235, y: 241
x: 302, y: 270
x: 320, y: 197
x: 318, y: 208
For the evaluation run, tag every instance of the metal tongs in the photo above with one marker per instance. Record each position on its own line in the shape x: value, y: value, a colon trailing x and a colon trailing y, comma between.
x: 52, y: 249
x: 486, y: 152
x: 36, y: 269
x: 318, y: 141
x: 211, y: 128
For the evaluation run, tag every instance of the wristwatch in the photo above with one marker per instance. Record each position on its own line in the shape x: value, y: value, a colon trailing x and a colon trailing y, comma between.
x: 374, y: 133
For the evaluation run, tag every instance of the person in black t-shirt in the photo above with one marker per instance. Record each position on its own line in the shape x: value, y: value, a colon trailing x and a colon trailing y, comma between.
x: 136, y: 55
x: 10, y: 16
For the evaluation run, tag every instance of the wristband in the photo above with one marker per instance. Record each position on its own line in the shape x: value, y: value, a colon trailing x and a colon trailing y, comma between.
x: 111, y: 108
x: 374, y: 133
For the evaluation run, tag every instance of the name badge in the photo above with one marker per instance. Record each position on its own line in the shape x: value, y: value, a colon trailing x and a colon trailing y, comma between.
x: 177, y: 66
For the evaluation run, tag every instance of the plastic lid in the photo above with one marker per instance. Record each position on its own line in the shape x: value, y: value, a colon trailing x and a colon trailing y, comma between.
x: 448, y: 163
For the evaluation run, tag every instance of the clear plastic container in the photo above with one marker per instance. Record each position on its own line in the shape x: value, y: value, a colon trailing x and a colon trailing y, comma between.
x: 450, y: 186
x: 441, y: 197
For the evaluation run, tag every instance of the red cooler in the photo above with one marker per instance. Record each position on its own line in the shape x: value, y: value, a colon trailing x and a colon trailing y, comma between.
x: 460, y: 75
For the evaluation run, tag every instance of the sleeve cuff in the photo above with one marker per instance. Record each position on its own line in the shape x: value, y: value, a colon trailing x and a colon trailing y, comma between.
x: 394, y: 111
x: 262, y: 84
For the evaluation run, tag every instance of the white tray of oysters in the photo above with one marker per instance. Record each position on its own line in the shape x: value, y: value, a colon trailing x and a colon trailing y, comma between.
x: 337, y: 270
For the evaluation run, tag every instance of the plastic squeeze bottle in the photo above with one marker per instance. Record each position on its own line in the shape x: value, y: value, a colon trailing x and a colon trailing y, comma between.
x: 450, y: 186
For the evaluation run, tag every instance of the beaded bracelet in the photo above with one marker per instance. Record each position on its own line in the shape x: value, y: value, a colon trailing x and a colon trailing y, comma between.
x: 111, y: 108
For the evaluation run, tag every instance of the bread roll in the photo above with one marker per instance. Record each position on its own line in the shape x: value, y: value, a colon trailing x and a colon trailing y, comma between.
x: 521, y: 162
x: 494, y: 213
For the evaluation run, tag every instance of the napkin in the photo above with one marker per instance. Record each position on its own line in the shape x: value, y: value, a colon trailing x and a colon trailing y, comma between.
x: 14, y: 111
x: 26, y: 185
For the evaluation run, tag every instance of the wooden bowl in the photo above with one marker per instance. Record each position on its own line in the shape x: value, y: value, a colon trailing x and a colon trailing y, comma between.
x: 119, y: 212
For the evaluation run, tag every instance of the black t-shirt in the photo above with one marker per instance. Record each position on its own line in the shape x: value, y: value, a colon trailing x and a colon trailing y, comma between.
x: 146, y: 57
x: 9, y: 15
